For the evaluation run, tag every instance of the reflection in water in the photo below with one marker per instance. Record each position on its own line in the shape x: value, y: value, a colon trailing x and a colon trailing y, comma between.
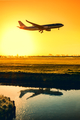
x: 62, y: 106
x: 39, y: 91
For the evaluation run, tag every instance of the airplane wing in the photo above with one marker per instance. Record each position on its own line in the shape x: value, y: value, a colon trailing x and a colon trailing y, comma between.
x: 36, y: 25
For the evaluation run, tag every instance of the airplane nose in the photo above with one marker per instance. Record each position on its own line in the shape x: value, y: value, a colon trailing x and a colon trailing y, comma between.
x: 62, y: 24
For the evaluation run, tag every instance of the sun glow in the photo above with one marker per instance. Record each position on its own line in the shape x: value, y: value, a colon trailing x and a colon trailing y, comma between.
x: 16, y: 41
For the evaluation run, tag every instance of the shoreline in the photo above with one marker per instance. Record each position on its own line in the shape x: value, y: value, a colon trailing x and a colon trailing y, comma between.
x: 47, y: 80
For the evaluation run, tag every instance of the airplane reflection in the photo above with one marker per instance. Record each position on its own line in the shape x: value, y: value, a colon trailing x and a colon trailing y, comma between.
x: 39, y: 91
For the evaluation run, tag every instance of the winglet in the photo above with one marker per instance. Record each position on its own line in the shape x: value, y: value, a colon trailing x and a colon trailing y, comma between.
x: 30, y: 22
x: 27, y: 21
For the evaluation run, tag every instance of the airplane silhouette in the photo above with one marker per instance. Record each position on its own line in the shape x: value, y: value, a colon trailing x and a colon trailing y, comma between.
x: 35, y: 26
x: 39, y: 91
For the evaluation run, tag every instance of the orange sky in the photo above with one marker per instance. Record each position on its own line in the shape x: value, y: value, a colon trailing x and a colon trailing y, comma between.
x: 15, y: 41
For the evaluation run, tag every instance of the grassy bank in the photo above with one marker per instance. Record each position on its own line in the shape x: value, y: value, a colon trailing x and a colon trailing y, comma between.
x: 61, y: 81
x: 7, y: 108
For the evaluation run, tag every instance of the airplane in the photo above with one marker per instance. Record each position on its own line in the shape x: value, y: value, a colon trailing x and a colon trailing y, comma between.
x: 35, y: 26
x: 39, y: 91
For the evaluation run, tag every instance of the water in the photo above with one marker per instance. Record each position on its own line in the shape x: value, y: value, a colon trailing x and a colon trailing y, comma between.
x: 33, y: 104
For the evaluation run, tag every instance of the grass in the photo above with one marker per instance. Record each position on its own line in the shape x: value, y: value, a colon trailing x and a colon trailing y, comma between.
x: 52, y: 80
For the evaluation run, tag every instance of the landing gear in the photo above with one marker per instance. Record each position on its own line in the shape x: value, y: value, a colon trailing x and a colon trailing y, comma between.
x: 58, y: 28
x: 41, y: 31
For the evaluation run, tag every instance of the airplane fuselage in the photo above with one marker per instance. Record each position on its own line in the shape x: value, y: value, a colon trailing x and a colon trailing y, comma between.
x: 34, y: 26
x: 45, y: 27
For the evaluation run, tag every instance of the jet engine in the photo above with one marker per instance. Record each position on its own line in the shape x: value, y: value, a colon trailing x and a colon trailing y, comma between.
x: 48, y: 29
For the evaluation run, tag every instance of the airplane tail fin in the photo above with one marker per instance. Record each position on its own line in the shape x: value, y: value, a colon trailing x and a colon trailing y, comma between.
x: 21, y: 24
